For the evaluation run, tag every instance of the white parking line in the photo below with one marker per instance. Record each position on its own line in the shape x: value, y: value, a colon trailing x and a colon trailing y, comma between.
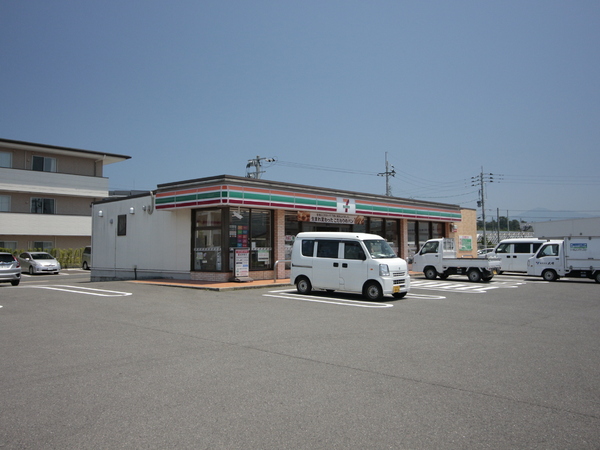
x: 286, y: 294
x: 83, y: 290
x: 290, y: 295
x: 475, y: 288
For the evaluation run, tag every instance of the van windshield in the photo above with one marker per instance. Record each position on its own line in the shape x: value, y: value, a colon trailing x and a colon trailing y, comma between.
x: 380, y: 249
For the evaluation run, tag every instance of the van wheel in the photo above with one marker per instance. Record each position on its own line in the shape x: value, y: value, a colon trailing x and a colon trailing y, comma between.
x: 549, y: 275
x: 373, y: 291
x: 30, y: 270
x: 474, y: 275
x: 15, y: 282
x: 430, y: 273
x: 303, y: 285
x: 597, y: 277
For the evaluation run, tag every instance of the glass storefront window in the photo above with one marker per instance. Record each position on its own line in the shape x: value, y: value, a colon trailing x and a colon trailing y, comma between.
x: 391, y: 233
x: 412, y: 238
x: 239, y: 228
x: 376, y: 226
x: 208, y: 218
x: 437, y: 230
x: 208, y: 241
x: 292, y: 228
x: 251, y: 228
x: 424, y: 234
x: 260, y: 240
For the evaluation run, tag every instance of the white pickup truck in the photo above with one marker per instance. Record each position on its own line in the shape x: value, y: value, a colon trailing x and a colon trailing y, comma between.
x: 437, y: 257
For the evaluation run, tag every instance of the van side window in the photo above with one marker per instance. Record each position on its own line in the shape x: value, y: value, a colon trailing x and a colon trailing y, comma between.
x: 327, y: 249
x: 522, y: 248
x: 536, y: 247
x: 308, y: 247
x: 503, y: 248
x: 353, y: 250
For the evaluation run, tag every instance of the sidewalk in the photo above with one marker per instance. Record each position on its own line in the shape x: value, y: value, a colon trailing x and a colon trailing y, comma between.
x: 223, y: 286
x: 215, y: 285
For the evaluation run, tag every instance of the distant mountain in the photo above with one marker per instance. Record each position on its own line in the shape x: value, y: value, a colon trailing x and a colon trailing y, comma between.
x: 544, y: 215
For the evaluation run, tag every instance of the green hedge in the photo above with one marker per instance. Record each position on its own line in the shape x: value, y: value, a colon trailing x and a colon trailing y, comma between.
x: 67, y: 257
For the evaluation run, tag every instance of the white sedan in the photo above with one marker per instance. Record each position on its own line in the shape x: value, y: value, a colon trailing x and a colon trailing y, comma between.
x: 38, y: 262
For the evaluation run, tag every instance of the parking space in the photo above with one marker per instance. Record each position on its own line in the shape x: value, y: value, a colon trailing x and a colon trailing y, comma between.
x: 266, y: 368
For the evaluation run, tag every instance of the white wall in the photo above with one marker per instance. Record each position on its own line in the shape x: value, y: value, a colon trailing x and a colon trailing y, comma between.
x: 564, y: 228
x: 52, y: 183
x: 157, y: 243
x: 44, y: 225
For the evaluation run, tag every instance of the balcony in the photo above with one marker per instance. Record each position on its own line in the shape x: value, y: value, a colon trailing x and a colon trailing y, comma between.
x: 52, y: 183
x: 15, y: 224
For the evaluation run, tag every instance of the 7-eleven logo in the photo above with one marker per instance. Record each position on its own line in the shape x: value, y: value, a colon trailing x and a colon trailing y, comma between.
x: 346, y: 205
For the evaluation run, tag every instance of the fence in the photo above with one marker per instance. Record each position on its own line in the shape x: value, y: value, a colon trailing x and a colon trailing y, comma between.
x: 494, y: 237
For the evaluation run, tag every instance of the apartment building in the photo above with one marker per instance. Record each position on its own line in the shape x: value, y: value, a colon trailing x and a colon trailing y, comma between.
x: 46, y: 194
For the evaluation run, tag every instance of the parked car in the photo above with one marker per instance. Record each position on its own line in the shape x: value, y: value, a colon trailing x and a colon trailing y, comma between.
x: 484, y: 251
x: 86, y: 258
x: 39, y: 262
x: 10, y: 269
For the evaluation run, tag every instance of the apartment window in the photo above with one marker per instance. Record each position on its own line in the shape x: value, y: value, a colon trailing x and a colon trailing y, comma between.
x: 122, y: 225
x: 4, y: 203
x: 43, y: 206
x: 8, y: 245
x: 6, y: 159
x: 43, y: 164
x: 43, y: 246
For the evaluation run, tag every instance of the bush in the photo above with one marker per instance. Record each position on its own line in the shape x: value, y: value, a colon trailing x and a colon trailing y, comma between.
x: 67, y: 257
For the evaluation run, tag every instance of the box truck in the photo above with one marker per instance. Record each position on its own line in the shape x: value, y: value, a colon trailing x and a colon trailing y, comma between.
x: 569, y: 257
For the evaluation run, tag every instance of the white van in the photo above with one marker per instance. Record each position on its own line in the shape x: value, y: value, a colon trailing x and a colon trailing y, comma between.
x: 352, y: 262
x: 514, y: 253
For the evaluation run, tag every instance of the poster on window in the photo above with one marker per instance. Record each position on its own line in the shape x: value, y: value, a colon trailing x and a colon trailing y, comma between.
x: 465, y: 243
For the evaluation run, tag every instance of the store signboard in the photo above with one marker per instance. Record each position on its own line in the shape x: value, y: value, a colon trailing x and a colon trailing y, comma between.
x: 242, y: 262
x: 318, y: 217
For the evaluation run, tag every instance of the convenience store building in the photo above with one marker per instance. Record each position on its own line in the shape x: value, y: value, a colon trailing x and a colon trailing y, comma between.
x: 227, y: 227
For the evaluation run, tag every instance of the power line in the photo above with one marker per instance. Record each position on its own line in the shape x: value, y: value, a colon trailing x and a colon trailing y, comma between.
x: 325, y: 168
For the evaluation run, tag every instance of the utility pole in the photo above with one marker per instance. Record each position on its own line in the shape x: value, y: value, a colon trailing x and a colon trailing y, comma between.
x: 498, y: 224
x: 481, y: 180
x: 257, y: 164
x: 388, y: 173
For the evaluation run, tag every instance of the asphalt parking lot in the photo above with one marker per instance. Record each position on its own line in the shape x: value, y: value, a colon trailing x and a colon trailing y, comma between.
x: 509, y: 364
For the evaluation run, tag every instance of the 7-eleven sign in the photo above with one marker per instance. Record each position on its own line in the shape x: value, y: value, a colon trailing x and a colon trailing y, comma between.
x: 346, y: 205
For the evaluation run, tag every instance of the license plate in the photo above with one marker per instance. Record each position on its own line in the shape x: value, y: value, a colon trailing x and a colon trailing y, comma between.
x: 396, y: 289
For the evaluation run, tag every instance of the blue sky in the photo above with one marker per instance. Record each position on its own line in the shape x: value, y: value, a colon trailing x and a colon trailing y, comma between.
x: 191, y: 89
